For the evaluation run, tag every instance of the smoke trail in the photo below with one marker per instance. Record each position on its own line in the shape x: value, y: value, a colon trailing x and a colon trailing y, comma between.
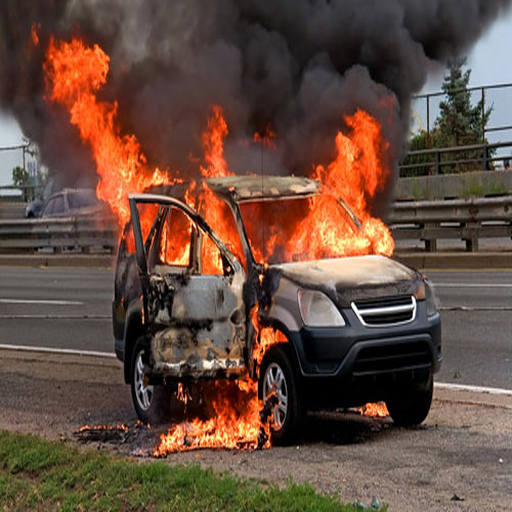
x: 297, y: 66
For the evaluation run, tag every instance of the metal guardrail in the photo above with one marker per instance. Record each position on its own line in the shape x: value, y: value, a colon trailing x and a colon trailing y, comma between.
x: 430, y: 221
x: 454, y: 156
x: 495, y: 128
x: 484, y: 100
x: 78, y: 233
x: 467, y: 220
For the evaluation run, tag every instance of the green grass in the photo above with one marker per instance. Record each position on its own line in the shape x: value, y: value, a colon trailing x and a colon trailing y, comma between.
x: 42, y: 475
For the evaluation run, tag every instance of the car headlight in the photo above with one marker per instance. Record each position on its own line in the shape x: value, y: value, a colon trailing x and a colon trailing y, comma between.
x: 317, y: 310
x: 426, y: 292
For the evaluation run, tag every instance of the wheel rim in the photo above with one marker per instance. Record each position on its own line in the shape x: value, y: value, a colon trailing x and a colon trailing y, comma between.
x: 275, y: 383
x: 143, y: 393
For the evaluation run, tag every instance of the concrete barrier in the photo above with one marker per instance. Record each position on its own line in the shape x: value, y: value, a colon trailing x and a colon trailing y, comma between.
x: 12, y: 211
x: 449, y: 186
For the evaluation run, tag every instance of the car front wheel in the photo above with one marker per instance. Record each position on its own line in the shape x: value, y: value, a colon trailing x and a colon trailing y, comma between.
x: 410, y: 406
x: 152, y: 403
x: 278, y: 382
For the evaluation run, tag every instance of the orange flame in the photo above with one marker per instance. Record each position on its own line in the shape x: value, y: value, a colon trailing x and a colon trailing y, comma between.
x: 358, y: 174
x: 33, y: 33
x: 266, y: 137
x: 213, y: 144
x: 76, y: 73
x: 265, y: 337
x: 378, y: 410
x: 235, y: 422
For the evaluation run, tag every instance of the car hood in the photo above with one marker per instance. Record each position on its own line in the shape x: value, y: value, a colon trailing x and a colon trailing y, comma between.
x: 349, y: 279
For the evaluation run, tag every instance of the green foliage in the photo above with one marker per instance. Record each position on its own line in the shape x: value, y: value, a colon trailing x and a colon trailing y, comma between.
x: 36, y: 474
x: 459, y: 124
x: 422, y: 164
x: 20, y: 177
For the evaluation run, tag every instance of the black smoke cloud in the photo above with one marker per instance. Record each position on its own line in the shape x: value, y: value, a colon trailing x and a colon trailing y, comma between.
x: 297, y: 66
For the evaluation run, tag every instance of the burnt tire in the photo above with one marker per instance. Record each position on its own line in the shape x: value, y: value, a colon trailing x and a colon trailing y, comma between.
x: 410, y: 406
x: 152, y: 403
x: 278, y: 377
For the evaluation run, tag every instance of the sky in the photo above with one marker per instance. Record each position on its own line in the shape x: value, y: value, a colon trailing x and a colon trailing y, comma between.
x: 489, y: 60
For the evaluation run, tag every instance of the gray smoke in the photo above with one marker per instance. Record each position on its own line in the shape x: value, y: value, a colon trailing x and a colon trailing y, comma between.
x: 297, y: 66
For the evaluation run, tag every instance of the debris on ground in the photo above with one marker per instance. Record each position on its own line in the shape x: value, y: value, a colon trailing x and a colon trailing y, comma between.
x: 114, y: 434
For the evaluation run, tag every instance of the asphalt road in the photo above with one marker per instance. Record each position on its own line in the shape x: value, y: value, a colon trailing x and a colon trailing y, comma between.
x: 70, y: 308
x: 57, y: 308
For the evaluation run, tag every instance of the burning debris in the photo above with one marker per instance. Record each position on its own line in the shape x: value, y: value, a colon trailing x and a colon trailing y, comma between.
x: 236, y: 420
x: 377, y: 410
x: 115, y: 434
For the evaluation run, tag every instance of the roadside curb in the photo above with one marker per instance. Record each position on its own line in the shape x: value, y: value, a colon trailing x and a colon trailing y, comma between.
x: 56, y: 356
x: 473, y: 395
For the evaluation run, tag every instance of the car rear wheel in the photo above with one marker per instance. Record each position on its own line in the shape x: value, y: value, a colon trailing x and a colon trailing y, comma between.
x: 278, y: 381
x: 410, y: 406
x: 152, y: 403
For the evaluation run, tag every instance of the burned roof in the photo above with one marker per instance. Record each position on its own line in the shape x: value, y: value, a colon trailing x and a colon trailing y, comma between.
x: 250, y: 188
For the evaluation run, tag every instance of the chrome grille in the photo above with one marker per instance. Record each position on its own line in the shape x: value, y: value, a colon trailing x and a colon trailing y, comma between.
x: 387, y: 312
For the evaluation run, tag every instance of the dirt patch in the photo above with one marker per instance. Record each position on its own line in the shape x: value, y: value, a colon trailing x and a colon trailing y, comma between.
x: 464, y: 449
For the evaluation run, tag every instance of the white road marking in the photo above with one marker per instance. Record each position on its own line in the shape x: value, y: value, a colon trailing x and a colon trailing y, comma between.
x: 55, y: 317
x: 470, y: 309
x: 472, y: 285
x: 474, y: 389
x: 42, y: 301
x: 48, y: 350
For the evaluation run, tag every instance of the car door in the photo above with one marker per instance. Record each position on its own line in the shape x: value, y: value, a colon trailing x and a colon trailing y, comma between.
x: 196, y: 321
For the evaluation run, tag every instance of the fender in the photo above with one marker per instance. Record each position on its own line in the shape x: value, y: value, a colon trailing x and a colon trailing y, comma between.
x: 278, y: 325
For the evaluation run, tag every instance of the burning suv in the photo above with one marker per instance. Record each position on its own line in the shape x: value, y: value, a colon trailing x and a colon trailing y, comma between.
x: 192, y: 303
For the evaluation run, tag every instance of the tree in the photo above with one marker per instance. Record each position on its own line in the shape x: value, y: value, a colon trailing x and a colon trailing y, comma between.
x: 20, y: 177
x: 459, y: 123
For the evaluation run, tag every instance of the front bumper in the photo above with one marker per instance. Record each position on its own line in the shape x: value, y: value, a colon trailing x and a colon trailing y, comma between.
x: 354, y: 364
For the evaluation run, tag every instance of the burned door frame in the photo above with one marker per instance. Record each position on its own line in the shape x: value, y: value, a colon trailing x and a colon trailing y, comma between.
x: 200, y: 328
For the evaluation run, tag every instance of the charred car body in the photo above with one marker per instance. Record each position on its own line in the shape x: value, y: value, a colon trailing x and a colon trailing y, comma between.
x: 351, y: 330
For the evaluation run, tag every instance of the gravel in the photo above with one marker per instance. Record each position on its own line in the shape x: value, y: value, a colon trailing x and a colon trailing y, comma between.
x: 460, y: 459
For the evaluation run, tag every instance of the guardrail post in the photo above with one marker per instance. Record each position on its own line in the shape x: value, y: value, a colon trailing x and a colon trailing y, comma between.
x: 483, y: 118
x: 428, y: 115
x: 430, y: 242
x: 471, y: 236
x: 438, y: 162
x: 485, y: 158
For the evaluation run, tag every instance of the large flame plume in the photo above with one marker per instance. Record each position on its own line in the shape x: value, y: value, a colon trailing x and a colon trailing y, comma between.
x: 76, y: 73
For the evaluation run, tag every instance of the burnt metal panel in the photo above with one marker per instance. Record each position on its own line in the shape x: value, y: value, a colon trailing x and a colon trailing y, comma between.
x: 198, y: 325
x: 247, y: 188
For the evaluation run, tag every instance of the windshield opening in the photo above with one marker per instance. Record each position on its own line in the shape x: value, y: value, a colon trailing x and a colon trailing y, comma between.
x: 301, y: 229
